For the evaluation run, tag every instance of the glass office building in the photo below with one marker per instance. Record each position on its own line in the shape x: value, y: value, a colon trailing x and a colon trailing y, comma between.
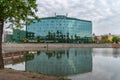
x: 61, y: 27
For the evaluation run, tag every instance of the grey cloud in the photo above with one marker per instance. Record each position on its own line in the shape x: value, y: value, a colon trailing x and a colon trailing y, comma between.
x: 101, y: 12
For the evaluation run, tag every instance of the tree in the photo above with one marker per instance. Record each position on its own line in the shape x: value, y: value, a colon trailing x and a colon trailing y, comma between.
x: 25, y: 40
x: 17, y: 13
x: 49, y: 35
x: 38, y: 39
x: 105, y: 39
x: 58, y: 34
x: 115, y: 39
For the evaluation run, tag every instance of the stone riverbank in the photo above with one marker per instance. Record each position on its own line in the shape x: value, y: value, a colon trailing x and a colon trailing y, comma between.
x: 46, y: 46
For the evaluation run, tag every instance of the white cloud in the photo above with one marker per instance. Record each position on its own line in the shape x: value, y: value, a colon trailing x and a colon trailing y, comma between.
x: 103, y: 13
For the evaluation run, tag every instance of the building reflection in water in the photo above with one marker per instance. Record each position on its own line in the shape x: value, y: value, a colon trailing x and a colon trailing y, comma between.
x: 60, y: 62
x: 13, y: 58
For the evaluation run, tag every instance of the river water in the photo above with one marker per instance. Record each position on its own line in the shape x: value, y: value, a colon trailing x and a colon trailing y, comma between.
x: 74, y: 63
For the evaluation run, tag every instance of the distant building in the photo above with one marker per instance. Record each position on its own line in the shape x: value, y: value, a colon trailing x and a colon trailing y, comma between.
x: 30, y: 35
x: 19, y: 35
x: 103, y: 38
x: 110, y: 37
x: 5, y: 33
x: 61, y: 28
x: 97, y: 39
x: 9, y: 38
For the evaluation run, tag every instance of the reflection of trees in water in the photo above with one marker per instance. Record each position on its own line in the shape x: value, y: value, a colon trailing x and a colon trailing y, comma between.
x: 57, y: 54
x: 38, y: 52
x: 67, y: 53
x: 49, y: 54
x: 75, y: 52
x: 14, y: 60
x: 28, y: 56
x: 18, y: 60
x: 116, y: 52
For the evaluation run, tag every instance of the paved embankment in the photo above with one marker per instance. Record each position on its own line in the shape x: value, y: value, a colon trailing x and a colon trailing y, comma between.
x: 46, y: 46
x: 9, y: 74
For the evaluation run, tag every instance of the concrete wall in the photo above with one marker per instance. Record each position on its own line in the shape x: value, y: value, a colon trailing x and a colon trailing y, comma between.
x: 45, y: 46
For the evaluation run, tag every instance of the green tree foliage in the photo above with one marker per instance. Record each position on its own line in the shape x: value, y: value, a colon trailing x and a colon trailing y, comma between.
x: 38, y: 39
x: 105, y: 39
x: 115, y: 39
x: 17, y: 13
x: 25, y: 40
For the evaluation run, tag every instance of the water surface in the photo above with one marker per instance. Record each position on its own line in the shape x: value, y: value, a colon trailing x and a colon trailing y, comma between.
x: 75, y: 63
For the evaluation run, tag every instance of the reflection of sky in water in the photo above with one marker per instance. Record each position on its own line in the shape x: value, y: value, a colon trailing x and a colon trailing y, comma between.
x: 104, y: 68
x: 20, y: 66
x: 105, y: 62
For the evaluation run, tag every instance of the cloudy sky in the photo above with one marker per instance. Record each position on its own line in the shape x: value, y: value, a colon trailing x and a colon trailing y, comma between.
x: 104, y: 14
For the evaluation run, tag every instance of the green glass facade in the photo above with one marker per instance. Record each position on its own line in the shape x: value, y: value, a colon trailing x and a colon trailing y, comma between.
x: 61, y: 27
x: 30, y: 35
x: 9, y: 38
x: 19, y: 36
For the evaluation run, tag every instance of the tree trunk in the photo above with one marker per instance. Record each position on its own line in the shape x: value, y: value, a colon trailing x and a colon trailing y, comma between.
x: 1, y: 32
